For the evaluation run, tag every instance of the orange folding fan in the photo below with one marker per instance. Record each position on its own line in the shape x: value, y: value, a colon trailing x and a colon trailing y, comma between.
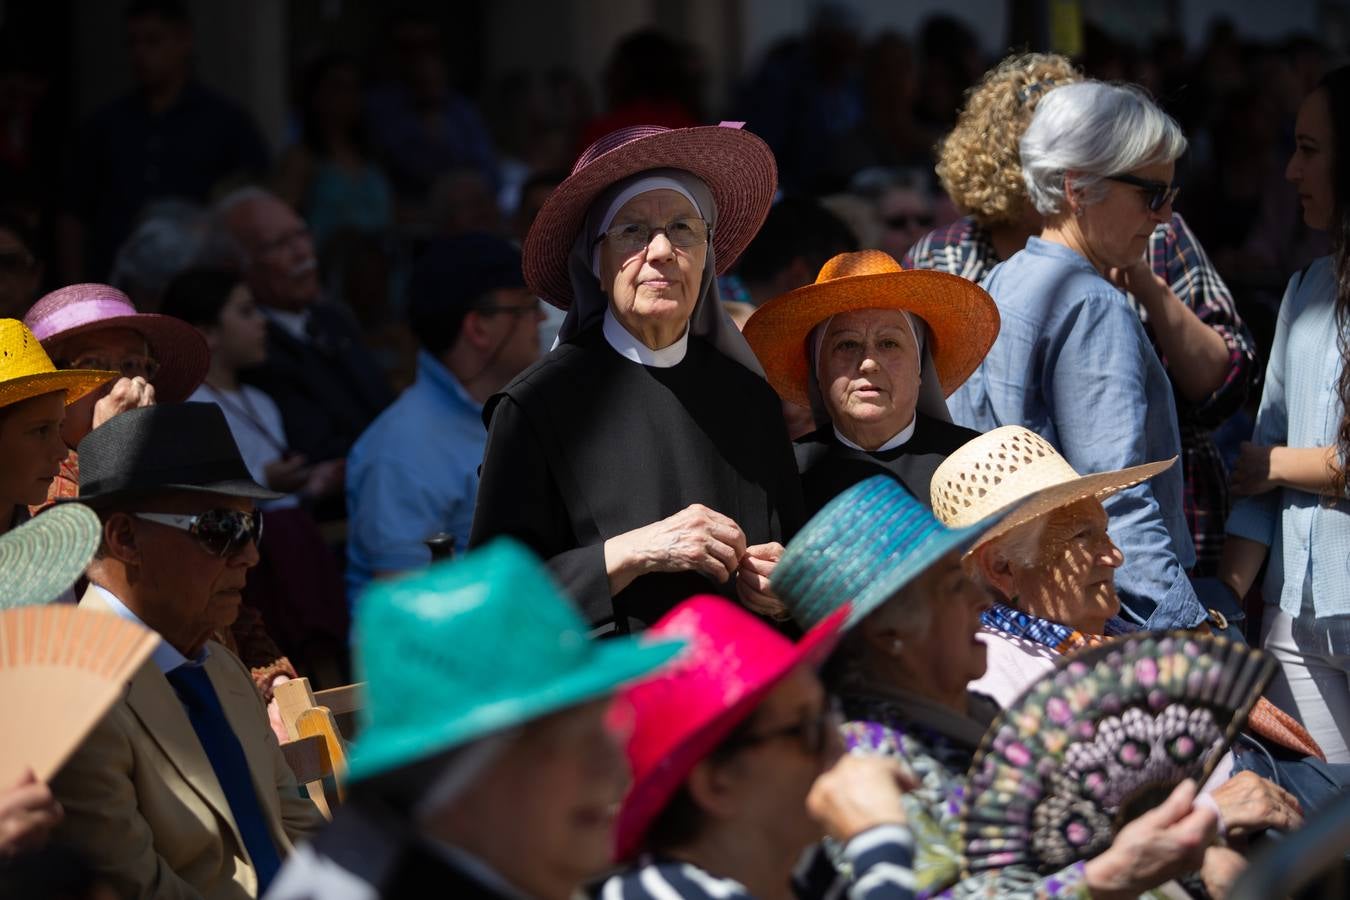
x: 61, y: 669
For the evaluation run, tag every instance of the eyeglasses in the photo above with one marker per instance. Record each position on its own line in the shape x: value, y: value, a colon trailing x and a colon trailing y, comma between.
x: 223, y: 532
x: 813, y: 733
x: 633, y: 238
x: 1158, y: 193
x: 146, y: 367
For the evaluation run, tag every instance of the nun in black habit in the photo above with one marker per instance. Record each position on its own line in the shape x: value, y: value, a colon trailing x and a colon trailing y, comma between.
x: 645, y: 457
x: 874, y: 350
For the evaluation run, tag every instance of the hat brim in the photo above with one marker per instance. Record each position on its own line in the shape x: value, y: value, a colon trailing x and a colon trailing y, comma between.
x: 179, y: 349
x: 738, y: 168
x: 77, y: 383
x: 240, y: 487
x: 43, y: 557
x: 962, y: 319
x: 649, y: 795
x: 1046, y: 500
x: 378, y: 750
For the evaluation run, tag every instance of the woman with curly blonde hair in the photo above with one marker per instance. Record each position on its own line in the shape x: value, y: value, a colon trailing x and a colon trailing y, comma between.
x: 1188, y: 313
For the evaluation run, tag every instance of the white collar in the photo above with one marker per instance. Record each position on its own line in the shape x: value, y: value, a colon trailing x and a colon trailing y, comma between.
x: 296, y: 324
x: 166, y: 657
x: 631, y: 348
x: 899, y: 440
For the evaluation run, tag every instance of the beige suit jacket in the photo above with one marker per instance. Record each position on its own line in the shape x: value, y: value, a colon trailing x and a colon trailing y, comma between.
x: 143, y: 803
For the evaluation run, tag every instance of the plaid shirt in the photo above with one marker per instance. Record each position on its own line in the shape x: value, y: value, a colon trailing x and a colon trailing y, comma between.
x: 965, y: 248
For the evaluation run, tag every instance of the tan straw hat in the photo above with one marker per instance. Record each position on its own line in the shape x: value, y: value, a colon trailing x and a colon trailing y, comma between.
x: 961, y: 318
x: 26, y: 370
x: 1012, y: 465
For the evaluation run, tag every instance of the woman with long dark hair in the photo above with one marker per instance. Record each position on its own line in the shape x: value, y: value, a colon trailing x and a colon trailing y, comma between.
x: 1294, y: 472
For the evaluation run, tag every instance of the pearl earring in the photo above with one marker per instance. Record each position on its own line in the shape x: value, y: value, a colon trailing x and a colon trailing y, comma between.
x: 897, y: 646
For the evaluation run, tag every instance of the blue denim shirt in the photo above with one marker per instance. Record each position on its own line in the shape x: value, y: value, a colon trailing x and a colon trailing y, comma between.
x: 412, y: 473
x: 1308, y: 535
x: 1073, y: 364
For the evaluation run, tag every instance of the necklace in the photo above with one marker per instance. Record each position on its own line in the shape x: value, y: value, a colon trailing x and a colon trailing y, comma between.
x: 244, y: 408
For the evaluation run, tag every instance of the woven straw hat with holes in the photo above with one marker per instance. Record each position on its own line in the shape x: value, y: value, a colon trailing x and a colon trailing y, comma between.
x: 26, y: 370
x: 1013, y: 466
x: 962, y: 319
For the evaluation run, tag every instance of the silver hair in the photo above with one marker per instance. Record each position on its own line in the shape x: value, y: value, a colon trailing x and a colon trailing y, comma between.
x: 171, y: 236
x: 853, y: 659
x: 1022, y: 546
x: 1093, y: 129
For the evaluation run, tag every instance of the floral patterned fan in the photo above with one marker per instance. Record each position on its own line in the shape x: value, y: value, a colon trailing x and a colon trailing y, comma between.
x: 1103, y: 738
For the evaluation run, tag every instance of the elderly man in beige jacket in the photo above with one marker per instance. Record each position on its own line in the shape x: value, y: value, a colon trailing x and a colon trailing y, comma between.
x: 182, y: 790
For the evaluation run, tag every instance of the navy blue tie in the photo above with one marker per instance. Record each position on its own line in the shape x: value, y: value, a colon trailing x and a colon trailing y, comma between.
x: 231, y: 766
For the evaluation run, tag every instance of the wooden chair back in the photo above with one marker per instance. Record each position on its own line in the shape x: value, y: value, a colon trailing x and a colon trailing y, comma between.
x: 317, y: 743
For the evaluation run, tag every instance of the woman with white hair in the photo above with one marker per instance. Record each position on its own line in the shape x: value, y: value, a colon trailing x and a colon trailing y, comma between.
x: 1072, y: 361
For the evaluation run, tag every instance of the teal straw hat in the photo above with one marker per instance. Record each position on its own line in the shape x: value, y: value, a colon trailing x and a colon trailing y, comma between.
x: 862, y: 547
x: 41, y: 558
x: 474, y: 645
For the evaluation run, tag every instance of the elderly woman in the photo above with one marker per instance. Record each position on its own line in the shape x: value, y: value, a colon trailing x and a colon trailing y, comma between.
x: 903, y: 671
x: 1051, y: 564
x: 1187, y: 310
x: 85, y: 326
x: 645, y: 457
x: 1072, y: 362
x: 873, y: 350
x: 490, y: 771
x: 727, y: 760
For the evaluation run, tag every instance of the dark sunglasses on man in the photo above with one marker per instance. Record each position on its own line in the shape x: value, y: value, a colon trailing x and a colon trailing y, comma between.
x: 223, y: 532
x: 1157, y: 194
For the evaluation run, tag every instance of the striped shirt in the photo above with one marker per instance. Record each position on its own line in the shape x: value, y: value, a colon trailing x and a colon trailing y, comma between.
x: 877, y: 864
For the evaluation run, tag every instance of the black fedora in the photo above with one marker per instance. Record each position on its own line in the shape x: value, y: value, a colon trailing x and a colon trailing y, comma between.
x: 177, y: 447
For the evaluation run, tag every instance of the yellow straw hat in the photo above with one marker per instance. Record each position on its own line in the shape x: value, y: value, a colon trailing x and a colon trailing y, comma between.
x: 962, y: 319
x: 1014, y: 465
x: 26, y: 370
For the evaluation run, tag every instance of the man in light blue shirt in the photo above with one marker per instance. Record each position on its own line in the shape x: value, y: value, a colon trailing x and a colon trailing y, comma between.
x: 414, y: 472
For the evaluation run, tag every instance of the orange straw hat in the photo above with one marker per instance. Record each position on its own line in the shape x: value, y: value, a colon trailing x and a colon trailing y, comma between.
x: 962, y: 319
x: 1015, y: 467
x: 26, y: 370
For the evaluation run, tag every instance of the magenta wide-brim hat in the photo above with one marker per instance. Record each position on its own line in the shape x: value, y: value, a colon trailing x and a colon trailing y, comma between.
x: 738, y: 168
x: 731, y: 662
x: 79, y: 308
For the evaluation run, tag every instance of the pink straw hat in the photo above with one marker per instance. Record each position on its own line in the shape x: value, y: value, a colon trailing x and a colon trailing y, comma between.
x: 79, y: 308
x: 730, y: 663
x: 738, y: 168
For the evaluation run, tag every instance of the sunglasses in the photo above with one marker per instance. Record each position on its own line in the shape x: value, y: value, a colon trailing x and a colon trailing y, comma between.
x: 146, y: 367
x: 223, y: 532
x: 1156, y: 193
x: 812, y: 733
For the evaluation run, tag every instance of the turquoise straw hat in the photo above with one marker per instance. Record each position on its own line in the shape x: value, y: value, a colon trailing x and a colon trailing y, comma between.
x: 471, y: 646
x: 40, y: 559
x: 862, y: 547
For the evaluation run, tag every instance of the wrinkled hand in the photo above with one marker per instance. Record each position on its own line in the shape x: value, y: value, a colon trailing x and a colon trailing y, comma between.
x: 1252, y: 474
x: 1139, y: 280
x: 1166, y: 842
x: 752, y: 579
x: 695, y: 539
x: 858, y: 793
x: 126, y: 393
x: 326, y: 478
x: 274, y: 713
x: 1221, y: 869
x: 28, y: 814
x: 1250, y: 803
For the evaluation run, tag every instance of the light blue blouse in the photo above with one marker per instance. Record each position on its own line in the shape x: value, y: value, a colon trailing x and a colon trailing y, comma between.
x: 1299, y: 408
x: 1073, y: 364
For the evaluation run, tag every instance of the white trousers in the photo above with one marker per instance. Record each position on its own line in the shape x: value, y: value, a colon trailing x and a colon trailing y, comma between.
x: 1313, y: 683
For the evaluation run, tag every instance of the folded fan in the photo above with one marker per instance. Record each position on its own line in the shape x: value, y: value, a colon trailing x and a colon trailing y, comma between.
x: 61, y: 669
x: 1103, y: 738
